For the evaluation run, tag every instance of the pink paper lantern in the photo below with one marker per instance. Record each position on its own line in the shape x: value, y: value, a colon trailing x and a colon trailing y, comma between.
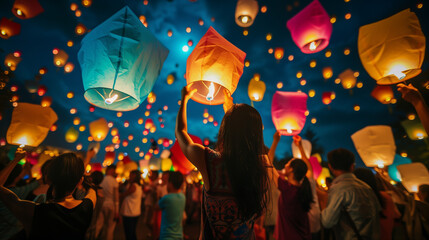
x: 317, y: 168
x: 311, y: 28
x: 180, y: 162
x: 288, y: 112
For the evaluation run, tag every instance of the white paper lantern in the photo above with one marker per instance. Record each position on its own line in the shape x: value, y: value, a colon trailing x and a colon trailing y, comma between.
x: 413, y: 175
x: 307, y: 149
x: 245, y: 12
x: 375, y: 145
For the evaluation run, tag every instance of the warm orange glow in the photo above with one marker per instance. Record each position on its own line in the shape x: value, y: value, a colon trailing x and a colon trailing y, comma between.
x: 279, y: 53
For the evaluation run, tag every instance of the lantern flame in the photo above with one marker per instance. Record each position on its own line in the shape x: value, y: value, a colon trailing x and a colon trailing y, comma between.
x: 397, y: 70
x: 289, y: 130
x: 210, y: 96
x: 245, y: 19
x: 22, y: 141
x: 112, y: 99
x: 256, y: 96
x: 312, y: 46
x: 420, y: 135
x: 19, y: 12
x: 3, y: 32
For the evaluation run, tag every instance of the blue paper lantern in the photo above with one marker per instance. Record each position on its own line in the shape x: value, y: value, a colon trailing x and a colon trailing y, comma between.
x: 120, y: 60
x: 393, y: 171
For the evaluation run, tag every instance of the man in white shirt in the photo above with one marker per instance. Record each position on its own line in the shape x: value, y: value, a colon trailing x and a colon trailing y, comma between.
x: 110, y: 210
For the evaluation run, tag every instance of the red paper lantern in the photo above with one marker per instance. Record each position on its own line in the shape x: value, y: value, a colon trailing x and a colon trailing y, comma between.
x: 327, y: 97
x: 180, y: 162
x: 41, y: 90
x: 25, y: 9
x: 311, y: 28
x: 9, y: 28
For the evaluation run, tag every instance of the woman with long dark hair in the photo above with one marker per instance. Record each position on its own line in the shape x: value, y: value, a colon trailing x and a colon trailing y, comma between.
x: 389, y: 210
x: 62, y: 217
x: 296, y: 196
x: 235, y: 175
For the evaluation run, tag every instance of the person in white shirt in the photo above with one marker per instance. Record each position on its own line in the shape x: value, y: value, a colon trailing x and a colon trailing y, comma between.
x: 131, y: 205
x: 109, y: 213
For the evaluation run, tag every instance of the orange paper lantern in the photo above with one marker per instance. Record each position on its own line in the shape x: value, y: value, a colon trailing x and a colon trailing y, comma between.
x: 214, y: 65
x: 383, y: 94
x: 9, y: 28
x: 25, y: 9
x: 348, y: 80
x: 60, y: 57
x: 99, y: 129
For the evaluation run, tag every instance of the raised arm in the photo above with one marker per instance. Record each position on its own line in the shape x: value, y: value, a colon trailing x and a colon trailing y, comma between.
x: 298, y: 141
x: 413, y: 96
x: 89, y: 155
x: 193, y: 151
x: 22, y: 210
x: 274, y: 175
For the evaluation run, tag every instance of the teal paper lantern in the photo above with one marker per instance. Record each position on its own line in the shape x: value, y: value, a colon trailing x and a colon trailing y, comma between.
x: 120, y: 61
x: 393, y: 171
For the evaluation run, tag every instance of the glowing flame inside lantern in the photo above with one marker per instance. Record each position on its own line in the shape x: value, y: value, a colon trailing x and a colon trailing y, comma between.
x: 420, y: 135
x: 312, y: 46
x: 209, y: 96
x: 256, y: 96
x: 22, y: 141
x: 19, y: 12
x: 3, y: 32
x: 112, y: 99
x: 245, y: 19
x: 397, y: 70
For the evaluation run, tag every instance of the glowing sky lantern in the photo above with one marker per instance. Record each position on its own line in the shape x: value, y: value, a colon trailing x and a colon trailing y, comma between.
x: 12, y: 59
x: 414, y: 129
x: 288, y: 112
x: 60, y: 57
x: 375, y: 145
x: 30, y: 124
x: 25, y: 9
x: 9, y: 28
x: 321, y: 180
x: 72, y: 135
x: 392, y: 50
x: 413, y: 175
x: 46, y: 101
x: 279, y: 53
x: 256, y: 90
x: 120, y: 60
x: 327, y: 98
x: 383, y: 94
x: 245, y: 12
x: 348, y: 80
x: 99, y: 129
x: 215, y: 64
x: 311, y: 28
x: 180, y: 162
x: 393, y: 170
x: 327, y: 72
x: 307, y: 149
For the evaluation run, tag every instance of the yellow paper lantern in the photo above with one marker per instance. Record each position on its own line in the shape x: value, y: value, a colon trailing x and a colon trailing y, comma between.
x: 348, y: 80
x: 256, y: 90
x: 245, y: 12
x: 30, y: 124
x: 327, y: 72
x: 80, y: 29
x: 60, y: 57
x: 72, y: 135
x: 321, y: 180
x: 170, y: 79
x: 214, y: 65
x: 392, y: 50
x: 99, y: 129
x: 166, y: 164
x: 46, y: 101
x: 151, y: 98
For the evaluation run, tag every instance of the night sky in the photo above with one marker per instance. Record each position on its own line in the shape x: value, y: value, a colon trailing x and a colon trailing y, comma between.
x: 334, y: 123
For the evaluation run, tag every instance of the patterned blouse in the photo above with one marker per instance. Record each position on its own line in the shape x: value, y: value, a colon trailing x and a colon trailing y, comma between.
x: 220, y: 215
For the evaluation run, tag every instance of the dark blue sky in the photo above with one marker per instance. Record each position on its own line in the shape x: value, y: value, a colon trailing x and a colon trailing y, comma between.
x: 55, y: 26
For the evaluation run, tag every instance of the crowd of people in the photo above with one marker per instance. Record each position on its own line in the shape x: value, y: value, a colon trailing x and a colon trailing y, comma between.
x: 243, y: 195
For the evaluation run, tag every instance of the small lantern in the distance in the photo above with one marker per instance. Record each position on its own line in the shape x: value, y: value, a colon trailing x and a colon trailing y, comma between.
x: 327, y: 98
x: 60, y: 57
x: 256, y: 90
x: 311, y: 28
x: 214, y: 65
x: 46, y: 101
x: 288, y: 112
x: 12, y: 59
x: 383, y: 94
x: 99, y: 129
x: 245, y: 12
x: 72, y: 135
x: 348, y: 80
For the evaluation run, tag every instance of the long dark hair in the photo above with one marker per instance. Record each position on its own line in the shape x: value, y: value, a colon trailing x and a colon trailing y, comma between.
x: 137, y: 178
x: 366, y: 175
x: 305, y: 195
x: 64, y: 173
x: 241, y: 144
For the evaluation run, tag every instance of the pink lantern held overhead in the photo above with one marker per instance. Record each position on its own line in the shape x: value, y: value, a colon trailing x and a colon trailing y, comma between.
x: 288, y: 112
x: 311, y: 28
